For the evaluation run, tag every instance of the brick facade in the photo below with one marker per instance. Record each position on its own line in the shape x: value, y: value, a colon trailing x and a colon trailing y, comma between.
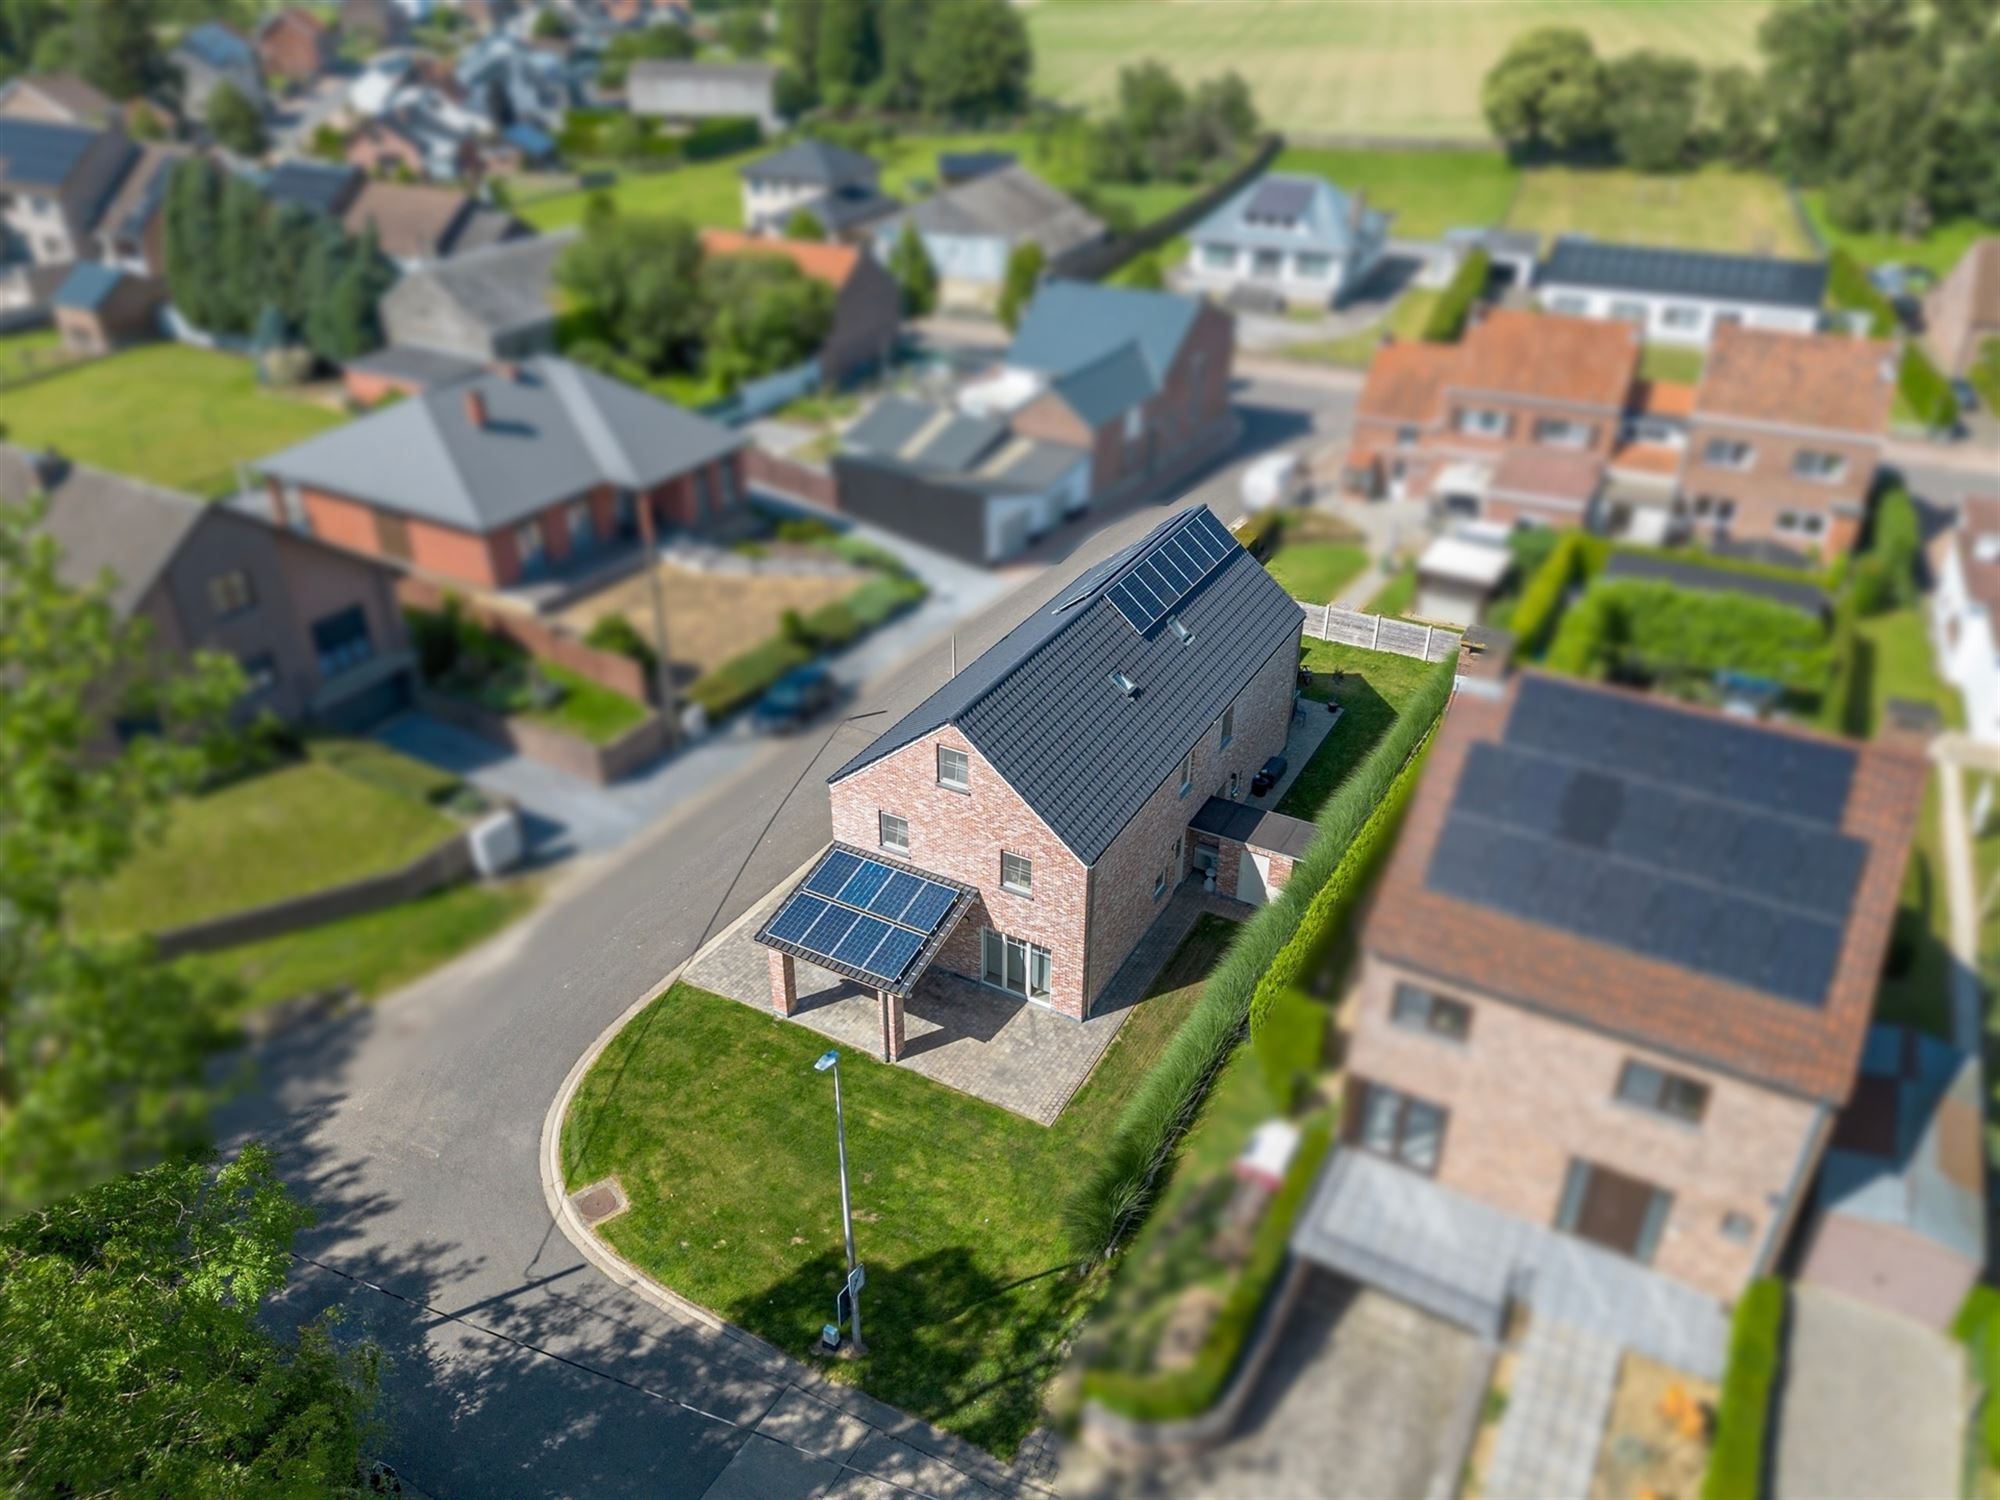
x: 1768, y: 491
x: 1527, y: 1093
x: 1089, y: 918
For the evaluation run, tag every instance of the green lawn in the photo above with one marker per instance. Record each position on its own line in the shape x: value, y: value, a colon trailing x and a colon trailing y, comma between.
x: 282, y: 833
x: 1374, y: 691
x: 177, y: 416
x: 1938, y: 250
x: 1405, y: 69
x: 1397, y: 594
x: 1670, y: 362
x: 375, y: 953
x: 1316, y: 571
x: 596, y: 713
x: 711, y: 1116
x: 709, y: 194
x: 1428, y: 191
x: 1406, y: 320
x: 908, y: 160
x: 22, y: 353
x: 1714, y: 208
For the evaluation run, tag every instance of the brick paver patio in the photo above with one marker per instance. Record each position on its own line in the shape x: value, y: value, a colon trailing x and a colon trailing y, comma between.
x: 981, y: 1041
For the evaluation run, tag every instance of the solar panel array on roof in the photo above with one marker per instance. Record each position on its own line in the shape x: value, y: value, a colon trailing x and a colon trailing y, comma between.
x: 1672, y: 835
x: 1576, y: 261
x: 1277, y: 198
x: 40, y: 151
x: 1169, y: 570
x: 863, y: 918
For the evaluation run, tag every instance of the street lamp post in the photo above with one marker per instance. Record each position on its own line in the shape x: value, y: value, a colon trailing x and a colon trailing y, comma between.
x: 830, y: 1062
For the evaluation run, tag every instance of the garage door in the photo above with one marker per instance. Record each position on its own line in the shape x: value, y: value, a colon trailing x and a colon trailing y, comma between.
x: 371, y: 705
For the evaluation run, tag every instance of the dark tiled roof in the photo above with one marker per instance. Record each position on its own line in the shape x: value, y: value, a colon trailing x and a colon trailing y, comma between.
x: 41, y: 154
x: 1765, y: 864
x: 889, y: 423
x: 427, y: 367
x: 813, y: 160
x: 87, y: 285
x: 1690, y: 575
x: 1041, y: 708
x: 104, y: 523
x: 323, y: 187
x: 1254, y: 827
x: 218, y: 46
x: 955, y: 167
x: 1577, y: 261
x: 1071, y: 324
x: 1110, y: 386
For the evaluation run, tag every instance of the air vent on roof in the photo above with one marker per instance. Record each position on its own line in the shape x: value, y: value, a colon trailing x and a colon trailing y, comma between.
x: 1125, y: 684
x: 1181, y: 632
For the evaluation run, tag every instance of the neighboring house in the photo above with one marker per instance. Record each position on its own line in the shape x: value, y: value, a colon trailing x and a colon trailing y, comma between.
x: 1965, y: 611
x: 1785, y: 438
x: 1298, y: 239
x: 56, y: 99
x: 1900, y: 1216
x: 509, y: 81
x: 1680, y: 296
x: 379, y: 23
x: 840, y: 188
x: 208, y: 56
x: 99, y: 308
x: 295, y: 46
x: 416, y: 224
x: 1962, y: 312
x: 316, y: 631
x: 1025, y: 826
x: 970, y: 231
x: 956, y: 167
x: 867, y: 302
x: 1105, y: 394
x: 1459, y: 574
x: 422, y: 136
x: 55, y: 181
x: 485, y: 306
x: 132, y: 230
x: 508, y: 475
x: 1616, y: 979
x: 320, y: 187
x: 381, y: 80
x: 686, y: 92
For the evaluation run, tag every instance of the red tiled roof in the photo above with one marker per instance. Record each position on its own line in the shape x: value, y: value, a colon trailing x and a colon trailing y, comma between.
x: 1536, y: 355
x: 1648, y: 458
x: 832, y: 264
x: 1663, y: 398
x: 1547, y: 473
x: 1809, y: 1050
x: 1821, y: 380
x: 1404, y: 382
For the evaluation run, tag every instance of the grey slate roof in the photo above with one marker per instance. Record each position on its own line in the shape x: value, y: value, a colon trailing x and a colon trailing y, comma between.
x: 1290, y: 211
x: 888, y: 424
x: 1073, y: 324
x: 1039, y: 705
x: 1109, y: 386
x: 41, y: 154
x: 1012, y: 204
x: 552, y: 430
x: 979, y: 455
x: 845, y: 207
x: 430, y: 367
x: 218, y: 46
x: 87, y: 285
x: 500, y: 287
x: 1687, y: 575
x: 104, y: 523
x: 1579, y: 261
x: 812, y: 160
x: 1254, y: 826
x: 323, y: 187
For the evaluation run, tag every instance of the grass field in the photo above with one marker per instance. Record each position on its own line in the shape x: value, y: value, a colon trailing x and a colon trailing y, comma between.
x: 1408, y: 68
x: 710, y: 194
x: 709, y: 1113
x: 177, y: 416
x: 1405, y: 320
x: 24, y: 353
x: 1373, y: 691
x: 1316, y: 571
x: 1939, y: 250
x: 1427, y: 191
x: 1712, y: 209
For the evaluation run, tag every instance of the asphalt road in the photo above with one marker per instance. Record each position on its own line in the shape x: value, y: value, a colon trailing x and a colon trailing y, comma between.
x: 413, y: 1127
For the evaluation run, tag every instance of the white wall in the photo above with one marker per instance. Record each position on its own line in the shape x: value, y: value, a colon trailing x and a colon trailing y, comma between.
x: 1962, y: 637
x: 1587, y: 302
x: 1288, y: 281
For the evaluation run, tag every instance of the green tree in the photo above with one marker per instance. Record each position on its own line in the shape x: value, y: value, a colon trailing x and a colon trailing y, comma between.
x: 642, y: 279
x: 1887, y: 143
x: 1152, y: 110
x: 140, y: 1367
x: 668, y: 43
x: 625, y: 141
x: 192, y: 218
x: 763, y: 315
x: 1966, y: 176
x: 1145, y: 274
x: 1735, y: 119
x: 845, y: 60
x: 114, y: 48
x: 1223, y: 115
x: 551, y: 27
x: 900, y: 28
x: 1547, y: 92
x: 975, y: 61
x: 1810, y: 50
x: 798, y: 38
x: 235, y: 120
x: 1024, y: 275
x: 24, y: 24
x: 1652, y: 102
x: 804, y: 224
x: 238, y: 256
x: 743, y: 33
x: 346, y: 327
x: 910, y: 264
x: 103, y: 1050
x: 328, y: 144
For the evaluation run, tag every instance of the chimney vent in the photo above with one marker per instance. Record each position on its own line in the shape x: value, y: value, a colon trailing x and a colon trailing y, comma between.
x: 475, y: 408
x: 1125, y: 684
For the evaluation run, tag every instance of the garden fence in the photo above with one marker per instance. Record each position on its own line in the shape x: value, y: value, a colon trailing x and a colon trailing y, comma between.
x: 1351, y: 627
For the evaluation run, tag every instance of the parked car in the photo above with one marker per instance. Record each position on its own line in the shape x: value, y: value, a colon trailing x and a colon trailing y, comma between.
x: 795, y: 700
x: 1268, y: 775
x: 1276, y: 479
x: 1967, y: 395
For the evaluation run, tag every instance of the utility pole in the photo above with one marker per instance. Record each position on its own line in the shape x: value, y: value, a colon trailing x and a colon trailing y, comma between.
x: 663, y: 667
x: 831, y: 1062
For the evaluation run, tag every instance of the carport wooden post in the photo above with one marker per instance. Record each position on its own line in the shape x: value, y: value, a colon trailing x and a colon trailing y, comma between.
x: 662, y: 666
x: 892, y: 1025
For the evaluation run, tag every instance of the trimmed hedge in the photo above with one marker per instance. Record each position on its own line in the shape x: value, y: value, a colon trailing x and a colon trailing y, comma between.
x: 1925, y: 390
x: 1977, y: 1326
x: 1541, y: 602
x: 1181, y: 1394
x: 742, y: 679
x: 1849, y: 289
x: 1664, y: 629
x: 1268, y: 952
x: 721, y: 136
x: 1844, y: 709
x: 1743, y: 1414
x: 1454, y: 303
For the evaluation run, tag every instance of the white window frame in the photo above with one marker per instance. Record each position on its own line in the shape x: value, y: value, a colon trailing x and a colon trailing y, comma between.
x: 964, y: 759
x: 1742, y: 456
x: 1681, y: 316
x: 1625, y: 310
x: 1025, y: 886
x: 883, y: 819
x: 1561, y: 432
x: 1570, y: 305
x: 1817, y: 466
x: 1218, y: 257
x: 1001, y: 955
x: 1480, y: 421
x: 530, y: 543
x: 1312, y: 265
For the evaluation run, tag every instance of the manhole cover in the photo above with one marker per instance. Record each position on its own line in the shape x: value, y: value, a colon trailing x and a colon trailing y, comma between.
x: 600, y: 1201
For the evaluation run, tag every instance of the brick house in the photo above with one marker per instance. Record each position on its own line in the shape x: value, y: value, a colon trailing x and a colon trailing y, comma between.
x: 417, y: 224
x: 1105, y: 394
x: 509, y: 476
x: 1054, y: 780
x: 315, y: 629
x: 1785, y: 438
x: 55, y: 181
x: 867, y: 303
x: 1616, y: 979
x: 1962, y: 312
x: 295, y: 46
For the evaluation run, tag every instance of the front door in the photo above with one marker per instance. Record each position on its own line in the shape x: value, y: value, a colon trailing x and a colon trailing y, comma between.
x: 1610, y: 1209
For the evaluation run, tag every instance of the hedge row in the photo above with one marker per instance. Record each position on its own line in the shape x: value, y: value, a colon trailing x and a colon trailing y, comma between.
x: 1977, y: 1326
x: 743, y: 679
x: 1848, y: 288
x: 1178, y: 1395
x: 1454, y: 303
x: 1925, y: 390
x: 1743, y: 1414
x: 720, y: 137
x: 1541, y: 601
x: 1117, y: 1192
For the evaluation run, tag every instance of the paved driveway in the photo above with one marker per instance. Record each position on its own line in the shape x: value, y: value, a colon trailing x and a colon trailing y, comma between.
x: 1871, y: 1406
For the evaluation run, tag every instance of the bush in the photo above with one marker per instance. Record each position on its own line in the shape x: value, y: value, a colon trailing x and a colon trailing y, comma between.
x: 881, y: 599
x: 1849, y: 289
x: 1189, y: 1392
x: 1844, y: 710
x: 1742, y: 1415
x: 792, y: 627
x: 1977, y: 1326
x: 1542, y: 597
x: 1267, y: 956
x: 1289, y: 1045
x: 1656, y: 630
x: 743, y: 679
x: 720, y: 137
x: 806, y: 530
x: 1925, y: 391
x: 618, y: 634
x: 435, y: 634
x: 1896, y: 539
x: 832, y: 626
x: 1455, y: 302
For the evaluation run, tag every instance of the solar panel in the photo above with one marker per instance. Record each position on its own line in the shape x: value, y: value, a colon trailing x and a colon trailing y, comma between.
x: 893, y: 957
x: 832, y: 926
x: 929, y: 907
x: 1278, y: 199
x: 895, y: 895
x: 798, y: 914
x: 1152, y: 585
x: 864, y: 883
x: 833, y: 873
x: 862, y: 916
x: 860, y: 941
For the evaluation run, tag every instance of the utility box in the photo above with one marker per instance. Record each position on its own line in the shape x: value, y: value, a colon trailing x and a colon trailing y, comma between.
x: 496, y: 842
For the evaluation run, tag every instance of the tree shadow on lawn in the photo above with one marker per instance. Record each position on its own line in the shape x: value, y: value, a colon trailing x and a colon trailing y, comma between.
x: 947, y: 1340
